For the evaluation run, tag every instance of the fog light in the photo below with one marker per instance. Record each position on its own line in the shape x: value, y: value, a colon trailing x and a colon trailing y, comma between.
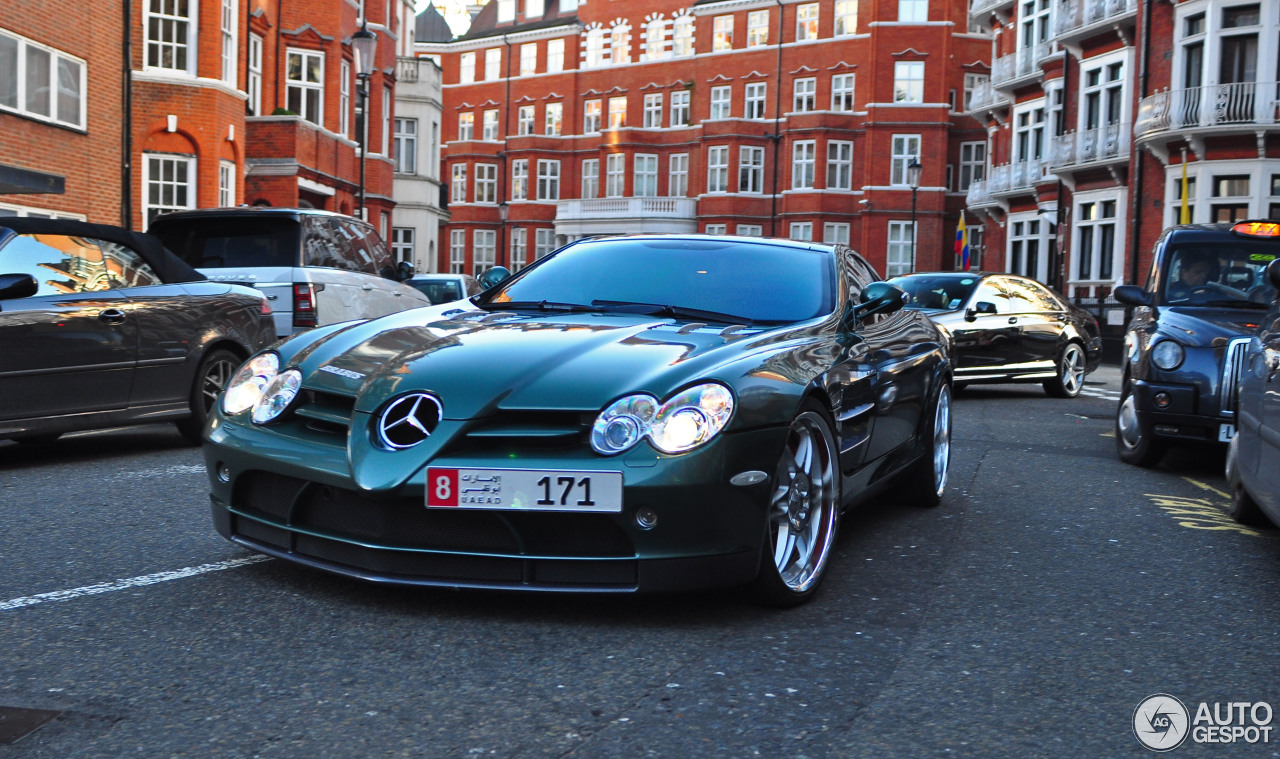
x: 646, y: 518
x: 1162, y: 400
x: 224, y: 473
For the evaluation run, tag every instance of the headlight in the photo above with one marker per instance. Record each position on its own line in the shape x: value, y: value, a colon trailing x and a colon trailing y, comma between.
x: 623, y: 423
x: 1167, y: 354
x: 277, y: 396
x: 245, y: 389
x: 691, y: 418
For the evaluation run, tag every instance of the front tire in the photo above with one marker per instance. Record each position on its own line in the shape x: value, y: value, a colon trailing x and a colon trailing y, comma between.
x: 1071, y: 371
x: 804, y: 512
x: 1242, y: 508
x: 926, y: 481
x: 216, y: 370
x: 1132, y: 444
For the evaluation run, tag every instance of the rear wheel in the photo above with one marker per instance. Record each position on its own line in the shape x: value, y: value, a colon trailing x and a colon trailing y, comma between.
x: 1133, y: 444
x: 215, y: 372
x: 1071, y: 370
x: 926, y: 481
x: 804, y: 506
x: 1242, y: 508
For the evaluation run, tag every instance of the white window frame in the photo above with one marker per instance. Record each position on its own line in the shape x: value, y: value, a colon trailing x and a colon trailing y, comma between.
x: 721, y: 34
x: 520, y: 179
x: 721, y: 102
x: 590, y: 178
x: 458, y: 183
x: 617, y: 112
x: 528, y: 59
x: 801, y: 230
x: 484, y: 250
x: 555, y: 55
x: 171, y: 179
x: 678, y: 175
x: 548, y: 179
x: 525, y: 119
x: 644, y: 171
x: 899, y: 249
x: 807, y: 22
x: 226, y: 183
x: 405, y: 159
x: 1027, y: 233
x: 457, y: 251
x: 680, y: 108
x: 757, y: 28
x: 467, y: 68
x: 750, y: 170
x: 913, y: 11
x: 493, y: 64
x: 804, y: 94
x: 1089, y: 213
x: 466, y: 126
x: 402, y: 243
x: 972, y: 83
x: 55, y: 84
x: 553, y: 119
x: 592, y: 110
x: 386, y: 120
x: 653, y: 110
x: 519, y: 256
x: 489, y: 125
x: 682, y: 36
x: 655, y: 39
x: 973, y: 163
x: 846, y: 18
x: 178, y: 37
x: 229, y: 36
x: 835, y: 233
x: 755, y: 100
x: 544, y: 240
x: 715, y: 229
x: 803, y: 158
x: 843, y: 88
x: 253, y: 78
x: 344, y: 99
x: 903, y: 148
x: 620, y: 44
x: 840, y: 165
x: 749, y: 230
x: 718, y: 169
x: 615, y: 175
x: 303, y: 87
x: 908, y: 82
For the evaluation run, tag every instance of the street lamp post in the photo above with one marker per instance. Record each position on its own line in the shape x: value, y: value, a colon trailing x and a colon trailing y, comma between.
x: 913, y: 178
x: 365, y: 44
x: 502, y: 258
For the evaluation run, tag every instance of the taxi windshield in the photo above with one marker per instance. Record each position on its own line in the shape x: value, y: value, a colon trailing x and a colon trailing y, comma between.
x: 1227, y: 275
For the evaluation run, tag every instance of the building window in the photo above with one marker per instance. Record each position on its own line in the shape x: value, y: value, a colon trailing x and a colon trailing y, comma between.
x: 386, y: 121
x: 1097, y: 223
x: 653, y: 110
x: 528, y: 58
x: 543, y: 242
x: 406, y: 146
x: 754, y: 100
x: 489, y: 131
x: 908, y: 82
x: 839, y: 165
x: 1034, y: 18
x: 750, y: 230
x: 168, y: 182
x: 1102, y: 105
x: 467, y: 68
x: 913, y: 11
x: 805, y: 95
x: 484, y: 251
x: 720, y: 102
x: 520, y: 179
x: 802, y: 230
x: 466, y: 126
x: 680, y: 108
x: 492, y: 64
x: 836, y: 234
x: 226, y: 183
x: 170, y: 31
x: 344, y: 99
x: 253, y: 82
x: 617, y: 113
x: 973, y: 163
x: 402, y: 243
x: 548, y: 180
x: 457, y: 250
x: 803, y: 155
x: 972, y: 83
x: 458, y: 183
x: 715, y: 229
x: 486, y: 183
x: 646, y: 176
x: 975, y: 250
x: 1030, y: 245
x: 519, y: 249
x: 1230, y: 198
x: 524, y: 120
x: 1028, y: 134
x: 555, y: 56
x: 655, y: 39
x: 846, y: 17
x: 51, y: 86
x: 554, y: 118
x: 591, y: 117
x: 751, y: 170
x: 305, y: 84
x: 806, y: 22
x: 620, y: 44
x: 506, y: 10
x: 842, y: 93
x: 682, y: 36
x: 678, y: 175
x: 615, y: 170
x: 757, y: 28
x: 594, y: 51
x: 722, y: 33
x: 229, y: 37
x: 905, y: 149
x: 718, y: 168
x: 591, y: 178
x: 898, y: 253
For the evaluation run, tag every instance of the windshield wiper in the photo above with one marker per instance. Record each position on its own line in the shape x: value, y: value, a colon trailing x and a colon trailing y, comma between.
x: 541, y: 305
x: 678, y: 312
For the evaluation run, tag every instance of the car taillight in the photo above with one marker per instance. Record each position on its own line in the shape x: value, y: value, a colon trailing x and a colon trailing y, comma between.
x: 266, y: 307
x: 304, y: 305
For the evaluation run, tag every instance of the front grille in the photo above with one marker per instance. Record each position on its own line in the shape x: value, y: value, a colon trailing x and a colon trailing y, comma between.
x: 1232, y: 366
x: 327, y: 413
x: 533, y: 427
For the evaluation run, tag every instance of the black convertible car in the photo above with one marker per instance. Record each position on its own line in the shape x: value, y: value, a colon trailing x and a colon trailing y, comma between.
x: 101, y: 327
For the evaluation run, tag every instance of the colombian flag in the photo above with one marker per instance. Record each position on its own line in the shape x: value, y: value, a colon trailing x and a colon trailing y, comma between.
x: 962, y: 243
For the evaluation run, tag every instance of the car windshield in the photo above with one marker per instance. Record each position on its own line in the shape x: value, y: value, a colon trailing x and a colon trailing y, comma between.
x: 226, y: 243
x: 438, y: 290
x: 942, y: 292
x: 1231, y: 275
x: 702, y: 279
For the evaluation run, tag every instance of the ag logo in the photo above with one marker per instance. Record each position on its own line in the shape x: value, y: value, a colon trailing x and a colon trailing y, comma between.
x: 1160, y: 722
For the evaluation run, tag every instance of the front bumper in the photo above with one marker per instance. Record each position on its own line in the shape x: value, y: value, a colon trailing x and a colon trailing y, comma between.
x: 1179, y: 419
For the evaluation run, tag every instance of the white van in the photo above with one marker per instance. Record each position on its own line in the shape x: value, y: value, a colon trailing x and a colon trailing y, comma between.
x: 316, y: 267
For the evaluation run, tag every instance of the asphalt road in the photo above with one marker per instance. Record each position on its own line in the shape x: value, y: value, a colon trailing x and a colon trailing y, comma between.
x: 1028, y: 616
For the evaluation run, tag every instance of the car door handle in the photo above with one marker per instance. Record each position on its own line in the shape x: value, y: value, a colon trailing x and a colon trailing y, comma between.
x: 1013, y: 320
x: 366, y: 287
x: 111, y: 316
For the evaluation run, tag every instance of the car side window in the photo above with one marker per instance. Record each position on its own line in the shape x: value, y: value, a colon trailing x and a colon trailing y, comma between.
x: 1023, y: 298
x: 63, y: 264
x: 988, y: 292
x: 1047, y: 300
x: 857, y: 271
x: 384, y: 265
x: 323, y: 244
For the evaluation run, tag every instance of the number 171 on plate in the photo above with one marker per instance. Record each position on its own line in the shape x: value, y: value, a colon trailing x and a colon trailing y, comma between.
x: 524, y: 489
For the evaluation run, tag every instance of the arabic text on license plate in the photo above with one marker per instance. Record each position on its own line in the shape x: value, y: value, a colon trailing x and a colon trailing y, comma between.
x: 524, y: 489
x: 1226, y: 432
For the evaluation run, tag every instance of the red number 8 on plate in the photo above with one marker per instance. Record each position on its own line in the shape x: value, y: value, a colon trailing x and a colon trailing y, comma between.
x: 442, y: 487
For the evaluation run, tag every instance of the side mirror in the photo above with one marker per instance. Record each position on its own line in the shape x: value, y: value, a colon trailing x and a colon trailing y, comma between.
x: 981, y: 307
x: 404, y: 270
x: 880, y: 298
x: 1133, y: 295
x: 1273, y: 274
x: 17, y: 286
x: 494, y: 277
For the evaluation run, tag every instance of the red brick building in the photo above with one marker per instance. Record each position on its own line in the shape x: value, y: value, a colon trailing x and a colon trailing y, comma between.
x: 567, y: 118
x: 191, y: 105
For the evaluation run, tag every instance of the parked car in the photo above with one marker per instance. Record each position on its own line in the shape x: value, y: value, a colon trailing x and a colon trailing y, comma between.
x: 1184, y: 346
x: 102, y: 327
x: 1253, y: 455
x: 1007, y: 328
x: 316, y: 267
x: 445, y: 288
x: 626, y: 414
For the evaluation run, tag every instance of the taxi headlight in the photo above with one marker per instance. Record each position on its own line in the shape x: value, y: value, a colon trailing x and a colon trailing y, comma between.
x: 691, y: 417
x: 1167, y: 354
x: 277, y: 396
x: 246, y: 388
x: 623, y: 424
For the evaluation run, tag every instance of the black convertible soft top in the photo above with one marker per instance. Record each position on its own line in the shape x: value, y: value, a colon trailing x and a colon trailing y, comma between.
x: 169, y: 267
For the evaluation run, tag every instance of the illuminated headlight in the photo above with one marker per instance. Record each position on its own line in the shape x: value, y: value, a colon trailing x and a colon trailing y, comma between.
x: 691, y: 418
x: 246, y: 388
x: 623, y: 424
x: 1167, y: 354
x: 277, y: 396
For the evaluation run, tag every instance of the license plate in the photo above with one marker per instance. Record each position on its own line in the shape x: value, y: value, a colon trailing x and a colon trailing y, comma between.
x: 524, y: 489
x: 1226, y: 432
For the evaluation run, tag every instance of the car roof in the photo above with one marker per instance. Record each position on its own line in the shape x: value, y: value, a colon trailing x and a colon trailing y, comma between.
x: 247, y: 211
x: 1216, y: 232
x: 168, y: 266
x: 777, y: 241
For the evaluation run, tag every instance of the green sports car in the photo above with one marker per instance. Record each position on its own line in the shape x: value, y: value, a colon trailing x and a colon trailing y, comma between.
x: 627, y: 414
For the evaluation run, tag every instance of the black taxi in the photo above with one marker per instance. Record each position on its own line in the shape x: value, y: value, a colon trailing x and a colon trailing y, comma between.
x: 1205, y: 296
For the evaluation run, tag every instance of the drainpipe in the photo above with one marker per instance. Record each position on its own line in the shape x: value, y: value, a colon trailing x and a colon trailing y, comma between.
x: 777, y: 126
x: 1135, y: 179
x: 501, y: 256
x: 126, y: 141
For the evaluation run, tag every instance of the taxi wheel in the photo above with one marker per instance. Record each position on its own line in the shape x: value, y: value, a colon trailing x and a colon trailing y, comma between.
x: 215, y: 372
x: 803, y: 512
x: 1071, y: 371
x: 926, y: 481
x: 1132, y: 444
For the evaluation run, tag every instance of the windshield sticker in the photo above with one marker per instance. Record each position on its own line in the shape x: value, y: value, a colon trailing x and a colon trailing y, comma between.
x: 966, y: 281
x: 1261, y: 257
x: 954, y: 304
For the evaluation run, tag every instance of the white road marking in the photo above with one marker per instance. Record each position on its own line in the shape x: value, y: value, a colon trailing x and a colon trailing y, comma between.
x: 130, y: 582
x: 1104, y: 394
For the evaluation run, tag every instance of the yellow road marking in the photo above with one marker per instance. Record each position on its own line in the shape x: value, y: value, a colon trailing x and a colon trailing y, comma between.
x: 1201, y: 513
x: 1213, y: 490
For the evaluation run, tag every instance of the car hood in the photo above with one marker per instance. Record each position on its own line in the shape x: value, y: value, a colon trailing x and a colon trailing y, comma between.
x: 1201, y: 326
x: 477, y: 361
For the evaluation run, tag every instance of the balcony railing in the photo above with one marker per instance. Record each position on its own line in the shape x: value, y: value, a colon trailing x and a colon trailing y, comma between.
x: 1077, y: 14
x: 985, y: 96
x: 1214, y: 105
x: 634, y: 208
x: 1019, y: 65
x: 1016, y: 178
x: 979, y: 195
x: 1106, y: 143
x: 984, y: 7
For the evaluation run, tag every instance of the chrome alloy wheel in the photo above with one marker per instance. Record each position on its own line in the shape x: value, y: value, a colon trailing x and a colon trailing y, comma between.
x: 217, y: 373
x: 804, y: 504
x: 1071, y: 369
x: 942, y: 440
x: 1127, y: 423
